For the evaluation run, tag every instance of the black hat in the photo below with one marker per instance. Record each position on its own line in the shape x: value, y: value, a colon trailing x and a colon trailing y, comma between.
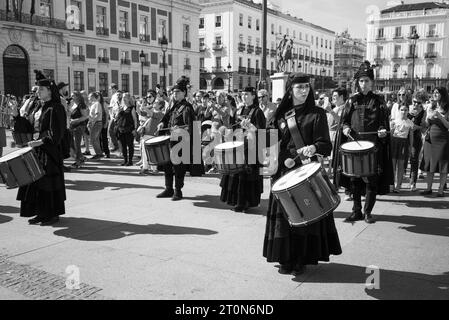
x: 181, y: 84
x: 298, y: 77
x: 41, y: 80
x: 365, y: 70
x: 62, y: 85
x: 250, y: 89
x: 151, y: 92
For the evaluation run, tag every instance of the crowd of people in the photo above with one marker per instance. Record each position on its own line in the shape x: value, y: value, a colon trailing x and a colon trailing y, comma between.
x: 413, y: 130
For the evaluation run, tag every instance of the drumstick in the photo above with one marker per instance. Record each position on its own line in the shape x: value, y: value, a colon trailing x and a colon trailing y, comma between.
x: 290, y: 163
x: 371, y: 132
x: 180, y: 127
x: 354, y: 140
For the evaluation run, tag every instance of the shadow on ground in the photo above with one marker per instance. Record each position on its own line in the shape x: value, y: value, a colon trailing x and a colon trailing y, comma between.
x: 4, y: 219
x: 393, y: 285
x: 100, y: 230
x: 214, y: 202
x: 432, y: 203
x: 9, y: 209
x: 85, y: 185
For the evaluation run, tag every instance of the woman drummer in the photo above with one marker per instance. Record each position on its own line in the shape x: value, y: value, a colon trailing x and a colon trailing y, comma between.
x: 296, y: 247
x: 45, y: 197
x: 243, y: 189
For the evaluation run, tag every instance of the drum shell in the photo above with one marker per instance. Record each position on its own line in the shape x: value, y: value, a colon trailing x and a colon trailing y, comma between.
x: 21, y: 138
x: 158, y: 153
x: 230, y: 161
x: 309, y: 200
x: 360, y: 163
x: 21, y: 170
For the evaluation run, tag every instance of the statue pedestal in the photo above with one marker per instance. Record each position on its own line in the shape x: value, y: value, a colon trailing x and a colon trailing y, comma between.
x: 279, y: 81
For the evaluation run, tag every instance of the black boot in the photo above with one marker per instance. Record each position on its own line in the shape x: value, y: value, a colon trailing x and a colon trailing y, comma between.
x: 177, y: 195
x: 369, y: 218
x: 355, y: 216
x: 167, y: 193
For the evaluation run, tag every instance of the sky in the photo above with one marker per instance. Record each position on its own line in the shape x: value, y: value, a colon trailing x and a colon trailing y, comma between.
x: 338, y: 15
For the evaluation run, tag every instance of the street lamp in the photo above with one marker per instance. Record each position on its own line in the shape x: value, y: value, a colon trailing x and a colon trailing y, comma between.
x: 414, y: 38
x: 164, y: 47
x: 229, y: 77
x: 142, y: 62
x: 322, y: 71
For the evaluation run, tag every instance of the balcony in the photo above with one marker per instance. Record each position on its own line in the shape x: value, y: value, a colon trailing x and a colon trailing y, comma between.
x: 330, y: 63
x: 202, y: 47
x: 411, y: 56
x: 250, y: 70
x: 397, y: 58
x: 430, y: 55
x: 431, y: 35
x: 273, y: 53
x: 103, y: 59
x: 79, y: 29
x: 307, y: 58
x: 78, y: 57
x: 37, y: 20
x: 201, y: 26
x: 102, y: 31
x: 257, y: 71
x: 203, y: 70
x: 242, y: 69
x: 124, y: 35
x: 295, y: 56
x: 217, y: 69
x: 312, y: 59
x: 217, y: 46
x: 242, y: 47
x: 398, y: 37
x: 258, y: 50
x: 125, y: 61
x: 147, y: 63
x: 187, y: 67
x: 186, y: 44
x: 163, y: 65
x: 301, y: 57
x: 144, y: 38
x: 249, y: 48
x: 380, y: 38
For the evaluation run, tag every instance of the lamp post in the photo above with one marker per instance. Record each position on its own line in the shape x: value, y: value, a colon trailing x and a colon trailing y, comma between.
x: 229, y: 77
x: 164, y: 46
x: 142, y: 61
x: 322, y: 71
x: 414, y: 38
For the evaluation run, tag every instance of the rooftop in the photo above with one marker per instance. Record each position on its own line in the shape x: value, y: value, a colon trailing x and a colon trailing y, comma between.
x: 417, y: 7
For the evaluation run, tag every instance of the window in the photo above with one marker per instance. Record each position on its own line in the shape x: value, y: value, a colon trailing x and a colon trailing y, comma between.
x: 249, y: 40
x: 398, y: 31
x: 249, y: 63
x: 241, y: 20
x: 78, y: 80
x: 102, y: 53
x: 143, y: 25
x: 249, y: 22
x: 326, y: 44
x: 218, y: 21
x: 187, y: 61
x: 257, y: 42
x: 330, y: 44
x: 101, y: 17
x: 380, y: 33
x: 321, y: 42
x: 240, y: 82
x: 294, y: 33
x: 125, y: 82
x: 300, y: 36
x: 249, y: 81
x: 412, y: 29
x: 316, y: 42
x: 431, y: 47
x: 241, y: 38
x: 288, y: 32
x: 272, y: 65
x: 257, y: 24
x: 397, y: 51
x: 201, y: 63
x: 311, y: 39
x: 186, y: 33
x: 432, y: 30
x: 272, y: 28
x: 123, y: 21
x: 280, y: 29
x: 410, y: 49
x: 240, y: 62
x: 218, y: 62
x: 162, y: 28
x: 307, y: 38
x: 257, y: 64
x: 76, y: 13
x: 125, y: 55
x: 218, y: 40
x: 45, y: 8
x: 201, y: 23
x: 201, y: 42
x: 379, y: 52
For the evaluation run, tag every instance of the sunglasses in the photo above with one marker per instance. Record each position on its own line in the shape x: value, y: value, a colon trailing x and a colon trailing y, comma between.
x: 401, y: 94
x: 261, y: 97
x: 416, y: 102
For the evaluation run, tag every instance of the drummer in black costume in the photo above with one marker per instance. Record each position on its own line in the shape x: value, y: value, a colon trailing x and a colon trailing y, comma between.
x: 181, y: 114
x: 242, y: 190
x: 296, y: 247
x: 368, y: 113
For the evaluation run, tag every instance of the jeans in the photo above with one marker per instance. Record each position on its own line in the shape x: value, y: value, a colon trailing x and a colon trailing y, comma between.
x: 113, y: 133
x: 415, y: 150
x: 371, y: 193
x: 127, y: 142
x: 95, y: 134
x: 178, y: 171
x: 78, y: 133
x: 104, y: 141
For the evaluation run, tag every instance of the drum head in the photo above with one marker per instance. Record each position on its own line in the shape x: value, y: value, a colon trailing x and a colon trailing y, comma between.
x: 296, y: 176
x: 207, y: 123
x: 229, y: 145
x: 357, y: 146
x: 15, y: 154
x: 157, y: 139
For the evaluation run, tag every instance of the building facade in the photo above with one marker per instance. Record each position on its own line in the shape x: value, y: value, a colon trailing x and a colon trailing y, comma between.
x: 93, y: 43
x: 349, y: 55
x: 403, y: 61
x: 230, y: 41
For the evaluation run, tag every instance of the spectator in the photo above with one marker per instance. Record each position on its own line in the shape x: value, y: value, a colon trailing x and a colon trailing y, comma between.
x: 127, y: 125
x: 79, y: 116
x: 95, y: 123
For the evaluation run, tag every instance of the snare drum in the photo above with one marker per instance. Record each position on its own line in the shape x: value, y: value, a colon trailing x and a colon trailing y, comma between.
x: 359, y: 159
x: 230, y: 157
x: 306, y: 195
x: 21, y: 138
x: 20, y: 168
x: 158, y: 150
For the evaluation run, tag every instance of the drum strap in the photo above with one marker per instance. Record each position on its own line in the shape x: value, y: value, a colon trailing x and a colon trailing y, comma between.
x: 290, y: 117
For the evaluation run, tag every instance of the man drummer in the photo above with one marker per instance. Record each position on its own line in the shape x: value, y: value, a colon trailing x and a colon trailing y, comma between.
x: 181, y: 114
x: 367, y: 119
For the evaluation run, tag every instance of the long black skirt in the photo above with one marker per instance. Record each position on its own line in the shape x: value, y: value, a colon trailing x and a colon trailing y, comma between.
x: 242, y: 189
x: 298, y: 245
x: 44, y: 198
